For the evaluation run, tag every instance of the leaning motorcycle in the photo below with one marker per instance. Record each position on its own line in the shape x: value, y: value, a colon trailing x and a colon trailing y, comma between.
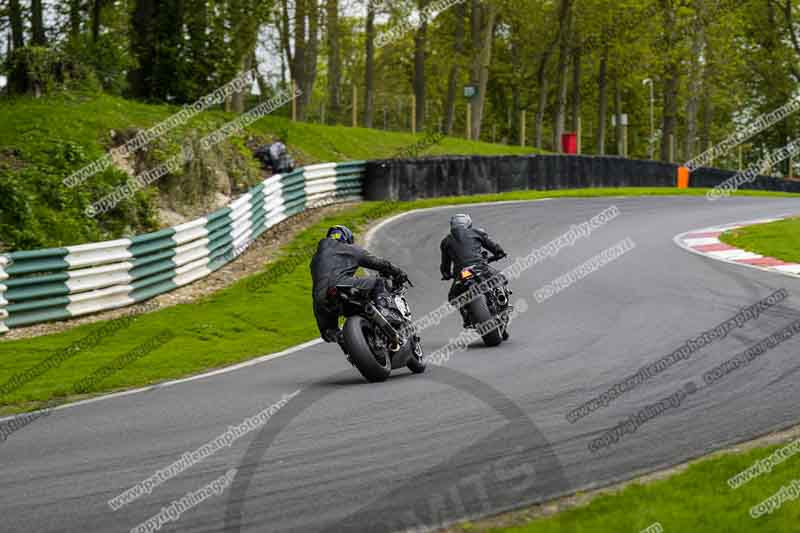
x: 491, y: 305
x: 378, y: 335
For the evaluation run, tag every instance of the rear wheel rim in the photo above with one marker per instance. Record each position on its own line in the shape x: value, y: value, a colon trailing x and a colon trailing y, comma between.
x: 380, y: 355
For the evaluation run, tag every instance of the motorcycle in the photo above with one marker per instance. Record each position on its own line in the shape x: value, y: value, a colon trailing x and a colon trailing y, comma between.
x: 378, y: 335
x: 489, y: 307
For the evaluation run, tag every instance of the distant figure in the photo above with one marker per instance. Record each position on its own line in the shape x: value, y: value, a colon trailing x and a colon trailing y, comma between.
x: 276, y: 156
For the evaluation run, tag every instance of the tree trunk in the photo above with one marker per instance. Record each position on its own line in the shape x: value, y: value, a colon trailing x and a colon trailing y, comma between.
x: 238, y: 98
x: 541, y: 80
x: 693, y: 102
x: 37, y: 24
x: 74, y: 19
x: 618, y: 130
x: 197, y: 28
x: 671, y: 82
x: 143, y: 48
x: 312, y: 51
x: 17, y: 78
x: 515, y: 109
x: 420, y: 44
x: 244, y: 38
x: 482, y: 56
x: 563, y: 69
x: 334, y: 61
x: 97, y: 6
x: 369, y: 70
x: 576, y: 86
x: 17, y: 27
x: 708, y: 101
x: 263, y: 86
x: 460, y: 12
x: 602, y: 107
x: 298, y: 65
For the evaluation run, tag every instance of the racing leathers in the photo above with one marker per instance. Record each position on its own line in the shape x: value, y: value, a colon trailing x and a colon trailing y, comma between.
x: 463, y: 247
x: 335, y: 263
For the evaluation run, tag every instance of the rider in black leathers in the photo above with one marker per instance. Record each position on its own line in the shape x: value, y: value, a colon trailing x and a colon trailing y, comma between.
x: 335, y: 263
x: 462, y: 248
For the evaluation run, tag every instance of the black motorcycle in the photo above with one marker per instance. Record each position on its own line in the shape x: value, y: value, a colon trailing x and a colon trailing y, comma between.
x: 378, y: 335
x: 488, y: 312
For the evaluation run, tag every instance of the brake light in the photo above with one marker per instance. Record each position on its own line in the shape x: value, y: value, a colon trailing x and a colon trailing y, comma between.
x: 332, y: 292
x: 466, y: 273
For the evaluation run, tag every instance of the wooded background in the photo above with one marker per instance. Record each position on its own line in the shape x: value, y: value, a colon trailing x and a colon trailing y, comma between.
x: 714, y: 63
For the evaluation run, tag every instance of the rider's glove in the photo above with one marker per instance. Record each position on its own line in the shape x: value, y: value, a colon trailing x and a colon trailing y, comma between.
x: 399, y: 275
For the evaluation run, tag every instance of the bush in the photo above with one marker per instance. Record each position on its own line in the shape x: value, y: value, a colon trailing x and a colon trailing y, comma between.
x: 39, y: 70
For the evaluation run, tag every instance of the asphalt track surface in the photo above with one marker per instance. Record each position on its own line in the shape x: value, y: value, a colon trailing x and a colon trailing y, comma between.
x: 483, y: 433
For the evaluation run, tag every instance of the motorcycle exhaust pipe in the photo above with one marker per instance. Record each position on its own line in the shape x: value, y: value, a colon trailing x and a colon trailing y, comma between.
x: 375, y: 315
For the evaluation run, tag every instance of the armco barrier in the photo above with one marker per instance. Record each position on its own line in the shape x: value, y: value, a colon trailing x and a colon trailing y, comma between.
x: 60, y: 283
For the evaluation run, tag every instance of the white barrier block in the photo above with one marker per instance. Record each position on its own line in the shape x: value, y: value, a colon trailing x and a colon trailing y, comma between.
x: 190, y: 234
x: 99, y: 277
x: 192, y: 272
x: 94, y: 254
x: 100, y: 300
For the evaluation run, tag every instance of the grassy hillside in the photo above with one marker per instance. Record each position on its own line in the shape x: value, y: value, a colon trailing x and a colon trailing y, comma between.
x: 44, y: 140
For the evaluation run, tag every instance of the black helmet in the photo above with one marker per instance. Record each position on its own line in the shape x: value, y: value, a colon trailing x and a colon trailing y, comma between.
x: 341, y: 233
x: 460, y: 221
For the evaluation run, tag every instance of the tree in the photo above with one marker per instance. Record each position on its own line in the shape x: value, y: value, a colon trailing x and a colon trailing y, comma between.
x: 143, y: 48
x: 484, y: 16
x: 369, y: 68
x: 37, y: 24
x: 460, y: 15
x: 334, y: 59
x: 74, y: 19
x: 17, y: 27
x: 671, y: 80
x: 565, y: 27
x: 303, y: 60
x: 420, y: 44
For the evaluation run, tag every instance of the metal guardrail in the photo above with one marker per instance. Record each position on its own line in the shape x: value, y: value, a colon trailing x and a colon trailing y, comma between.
x: 60, y: 283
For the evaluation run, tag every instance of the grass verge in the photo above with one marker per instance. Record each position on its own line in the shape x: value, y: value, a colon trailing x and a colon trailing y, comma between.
x: 698, y: 500
x: 780, y: 239
x: 229, y: 326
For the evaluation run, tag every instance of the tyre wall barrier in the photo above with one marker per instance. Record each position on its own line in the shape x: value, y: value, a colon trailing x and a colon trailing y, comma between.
x: 409, y: 179
x: 60, y: 283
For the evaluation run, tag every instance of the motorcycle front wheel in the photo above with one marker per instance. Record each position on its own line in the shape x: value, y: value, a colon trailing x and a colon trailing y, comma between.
x: 416, y: 361
x: 358, y: 333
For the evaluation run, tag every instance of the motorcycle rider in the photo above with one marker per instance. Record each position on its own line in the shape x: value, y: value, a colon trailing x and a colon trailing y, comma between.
x: 335, y: 263
x: 462, y: 248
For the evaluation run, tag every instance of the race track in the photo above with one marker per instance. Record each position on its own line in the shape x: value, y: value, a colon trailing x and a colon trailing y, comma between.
x: 483, y: 433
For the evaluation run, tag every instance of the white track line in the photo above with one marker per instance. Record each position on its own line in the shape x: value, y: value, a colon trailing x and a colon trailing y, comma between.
x: 731, y: 256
